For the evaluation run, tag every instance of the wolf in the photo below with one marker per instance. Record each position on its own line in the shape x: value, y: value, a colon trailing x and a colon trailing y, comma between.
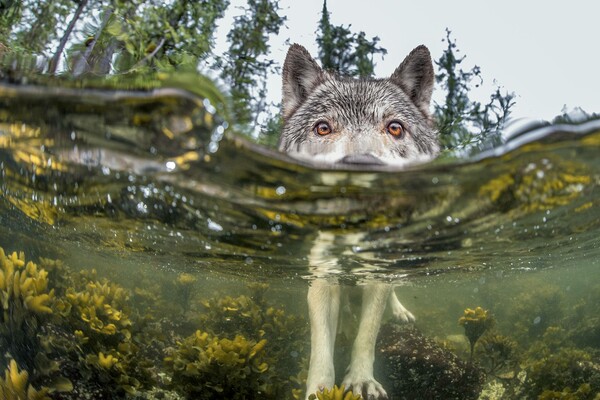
x: 333, y: 121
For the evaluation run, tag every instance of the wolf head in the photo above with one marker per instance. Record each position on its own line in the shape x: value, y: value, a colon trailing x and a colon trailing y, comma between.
x: 336, y: 121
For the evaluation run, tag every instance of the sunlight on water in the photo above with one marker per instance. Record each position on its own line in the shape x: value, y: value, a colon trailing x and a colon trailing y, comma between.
x: 183, y: 255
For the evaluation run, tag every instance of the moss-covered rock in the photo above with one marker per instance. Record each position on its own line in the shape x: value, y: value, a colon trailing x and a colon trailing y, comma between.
x: 412, y: 366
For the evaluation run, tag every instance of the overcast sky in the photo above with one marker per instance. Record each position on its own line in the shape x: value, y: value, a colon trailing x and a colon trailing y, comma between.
x: 547, y: 52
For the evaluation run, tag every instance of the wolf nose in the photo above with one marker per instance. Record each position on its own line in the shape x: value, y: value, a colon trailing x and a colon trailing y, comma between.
x: 361, y: 159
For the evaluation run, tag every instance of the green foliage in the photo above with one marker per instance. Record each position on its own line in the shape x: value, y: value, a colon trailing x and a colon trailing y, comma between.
x: 245, y: 67
x: 345, y: 52
x: 103, y: 38
x: 462, y: 122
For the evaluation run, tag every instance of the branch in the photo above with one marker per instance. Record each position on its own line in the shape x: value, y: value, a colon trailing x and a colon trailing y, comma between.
x: 149, y: 56
x: 82, y: 64
x: 53, y: 65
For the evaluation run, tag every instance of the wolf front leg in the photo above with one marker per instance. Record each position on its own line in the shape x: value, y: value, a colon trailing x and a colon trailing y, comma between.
x: 323, y: 309
x: 400, y: 312
x: 360, y: 377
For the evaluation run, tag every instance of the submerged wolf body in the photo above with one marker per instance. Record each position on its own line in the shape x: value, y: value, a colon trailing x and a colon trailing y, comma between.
x: 333, y: 121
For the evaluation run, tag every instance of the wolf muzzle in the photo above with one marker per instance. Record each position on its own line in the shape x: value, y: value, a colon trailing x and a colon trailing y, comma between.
x: 361, y: 159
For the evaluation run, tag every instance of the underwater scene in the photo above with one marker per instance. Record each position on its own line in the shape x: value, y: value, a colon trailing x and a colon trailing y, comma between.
x: 147, y: 251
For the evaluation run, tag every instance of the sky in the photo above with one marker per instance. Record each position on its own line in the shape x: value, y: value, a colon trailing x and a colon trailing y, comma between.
x: 546, y: 52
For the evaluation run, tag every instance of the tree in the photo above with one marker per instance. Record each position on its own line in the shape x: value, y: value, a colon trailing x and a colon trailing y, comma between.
x: 245, y: 67
x: 104, y: 37
x: 345, y: 52
x: 462, y: 122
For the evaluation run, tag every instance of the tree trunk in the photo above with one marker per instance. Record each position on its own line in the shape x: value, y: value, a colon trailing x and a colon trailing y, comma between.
x: 53, y: 65
x: 82, y: 64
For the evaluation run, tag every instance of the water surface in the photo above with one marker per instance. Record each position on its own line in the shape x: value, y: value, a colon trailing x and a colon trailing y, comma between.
x: 156, y: 193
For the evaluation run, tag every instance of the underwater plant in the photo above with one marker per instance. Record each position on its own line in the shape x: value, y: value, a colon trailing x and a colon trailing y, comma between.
x: 560, y: 372
x: 25, y: 301
x: 583, y: 392
x: 104, y: 346
x: 335, y: 393
x: 534, y: 311
x: 498, y: 354
x: 185, y: 282
x: 475, y: 322
x: 254, y: 318
x: 15, y: 385
x: 551, y: 183
x: 205, y: 366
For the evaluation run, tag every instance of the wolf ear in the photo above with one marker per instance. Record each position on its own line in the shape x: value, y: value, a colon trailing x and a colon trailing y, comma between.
x: 415, y: 76
x: 301, y: 74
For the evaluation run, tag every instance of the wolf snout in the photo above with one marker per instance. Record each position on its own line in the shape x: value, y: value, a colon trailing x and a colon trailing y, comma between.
x: 361, y: 159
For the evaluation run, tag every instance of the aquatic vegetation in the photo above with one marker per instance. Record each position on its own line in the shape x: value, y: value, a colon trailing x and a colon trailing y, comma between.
x: 541, y: 186
x: 102, y: 308
x: 534, y: 311
x: 335, y: 393
x: 497, y: 354
x: 475, y: 322
x: 411, y: 366
x: 583, y: 328
x: 103, y: 345
x: 25, y: 302
x: 560, y: 372
x: 205, y: 366
x: 583, y: 392
x: 253, y: 317
x: 185, y: 283
x: 15, y: 385
x: 68, y: 330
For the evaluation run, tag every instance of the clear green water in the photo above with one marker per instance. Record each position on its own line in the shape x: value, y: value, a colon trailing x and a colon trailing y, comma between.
x: 207, y: 232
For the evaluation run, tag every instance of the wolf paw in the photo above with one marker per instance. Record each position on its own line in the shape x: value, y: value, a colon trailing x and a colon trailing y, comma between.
x: 314, y: 386
x: 368, y: 387
x: 400, y: 312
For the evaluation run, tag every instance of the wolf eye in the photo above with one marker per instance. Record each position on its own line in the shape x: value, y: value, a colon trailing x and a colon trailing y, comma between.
x: 395, y: 129
x: 322, y: 128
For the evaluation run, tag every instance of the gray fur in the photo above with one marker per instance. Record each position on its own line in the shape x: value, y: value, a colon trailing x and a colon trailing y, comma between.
x: 358, y: 111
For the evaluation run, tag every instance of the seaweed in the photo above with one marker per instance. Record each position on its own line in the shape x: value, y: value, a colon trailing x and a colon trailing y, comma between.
x: 205, y: 366
x: 25, y: 302
x: 335, y: 393
x: 254, y: 318
x: 498, y: 355
x: 15, y: 385
x: 561, y: 371
x: 475, y: 322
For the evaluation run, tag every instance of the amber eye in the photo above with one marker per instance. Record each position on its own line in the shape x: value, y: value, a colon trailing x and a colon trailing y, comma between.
x: 395, y: 129
x: 322, y: 128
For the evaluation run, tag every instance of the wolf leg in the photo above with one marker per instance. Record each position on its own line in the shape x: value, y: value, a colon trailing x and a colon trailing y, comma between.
x: 400, y: 312
x: 323, y: 310
x: 359, y: 377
